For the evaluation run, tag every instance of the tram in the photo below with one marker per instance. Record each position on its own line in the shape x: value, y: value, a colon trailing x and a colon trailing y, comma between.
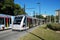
x: 5, y: 21
x: 22, y: 22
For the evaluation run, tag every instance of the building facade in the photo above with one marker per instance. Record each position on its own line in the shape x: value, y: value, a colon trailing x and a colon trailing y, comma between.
x: 58, y: 14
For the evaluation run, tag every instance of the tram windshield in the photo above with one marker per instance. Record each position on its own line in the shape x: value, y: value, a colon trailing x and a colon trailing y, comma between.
x: 17, y: 20
x: 1, y: 20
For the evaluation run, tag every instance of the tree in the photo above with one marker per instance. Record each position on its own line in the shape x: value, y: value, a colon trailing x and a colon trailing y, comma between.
x: 38, y: 16
x: 57, y: 18
x: 1, y: 4
x: 18, y: 10
x: 22, y: 11
x: 7, y: 7
x: 10, y: 8
x: 50, y: 18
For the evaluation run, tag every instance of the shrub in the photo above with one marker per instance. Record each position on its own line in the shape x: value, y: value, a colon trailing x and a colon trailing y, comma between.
x: 54, y: 26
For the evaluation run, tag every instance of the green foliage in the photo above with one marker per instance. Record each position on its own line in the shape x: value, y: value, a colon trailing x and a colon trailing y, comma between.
x: 52, y: 18
x: 38, y: 16
x: 10, y: 8
x: 1, y: 2
x: 8, y: 3
x: 54, y: 26
x: 18, y: 10
x: 22, y: 11
x: 7, y: 7
x: 4, y: 7
x: 17, y: 6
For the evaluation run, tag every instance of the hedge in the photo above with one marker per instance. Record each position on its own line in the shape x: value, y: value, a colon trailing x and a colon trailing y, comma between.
x: 54, y: 26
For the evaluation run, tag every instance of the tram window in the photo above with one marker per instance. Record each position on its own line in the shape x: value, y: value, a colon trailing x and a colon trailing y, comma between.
x: 1, y: 20
x: 17, y: 20
x: 25, y: 20
x: 18, y: 17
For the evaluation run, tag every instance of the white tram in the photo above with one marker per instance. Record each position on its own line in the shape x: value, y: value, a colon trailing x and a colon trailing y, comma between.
x: 22, y: 22
x: 5, y: 21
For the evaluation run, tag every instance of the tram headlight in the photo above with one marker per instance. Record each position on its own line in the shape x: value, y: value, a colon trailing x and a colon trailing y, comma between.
x: 3, y: 27
x: 23, y: 24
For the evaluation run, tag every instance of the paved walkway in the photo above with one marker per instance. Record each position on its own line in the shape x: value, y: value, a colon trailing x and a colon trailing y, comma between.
x: 57, y: 31
x: 14, y: 35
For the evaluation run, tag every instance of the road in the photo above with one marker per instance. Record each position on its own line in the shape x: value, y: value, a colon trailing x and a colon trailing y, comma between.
x: 13, y: 35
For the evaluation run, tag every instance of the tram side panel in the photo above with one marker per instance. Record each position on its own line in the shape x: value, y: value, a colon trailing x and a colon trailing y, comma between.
x: 7, y: 23
x: 29, y: 22
x: 33, y: 20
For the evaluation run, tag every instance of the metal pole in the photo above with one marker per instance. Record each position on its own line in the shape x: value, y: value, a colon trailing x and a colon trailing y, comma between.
x: 50, y: 18
x: 39, y: 7
x: 34, y: 13
x: 55, y: 19
x: 24, y: 8
x: 4, y: 21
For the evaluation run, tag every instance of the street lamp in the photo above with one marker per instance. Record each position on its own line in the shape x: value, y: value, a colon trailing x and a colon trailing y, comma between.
x: 24, y: 8
x: 28, y: 8
x: 50, y: 18
x: 34, y: 14
x: 31, y: 9
x: 39, y: 7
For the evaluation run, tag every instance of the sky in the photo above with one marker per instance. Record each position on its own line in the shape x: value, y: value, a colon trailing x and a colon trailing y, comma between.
x: 46, y: 7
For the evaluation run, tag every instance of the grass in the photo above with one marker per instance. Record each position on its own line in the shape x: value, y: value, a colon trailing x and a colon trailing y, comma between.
x: 41, y: 33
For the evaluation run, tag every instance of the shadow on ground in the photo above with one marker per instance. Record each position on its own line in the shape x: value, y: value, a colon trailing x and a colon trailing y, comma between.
x: 35, y: 35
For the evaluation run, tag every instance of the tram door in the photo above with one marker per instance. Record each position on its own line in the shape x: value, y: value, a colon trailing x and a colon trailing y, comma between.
x: 6, y: 22
x: 29, y: 22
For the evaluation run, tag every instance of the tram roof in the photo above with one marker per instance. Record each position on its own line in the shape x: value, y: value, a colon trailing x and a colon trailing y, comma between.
x: 3, y: 15
x: 27, y: 16
x: 30, y: 17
